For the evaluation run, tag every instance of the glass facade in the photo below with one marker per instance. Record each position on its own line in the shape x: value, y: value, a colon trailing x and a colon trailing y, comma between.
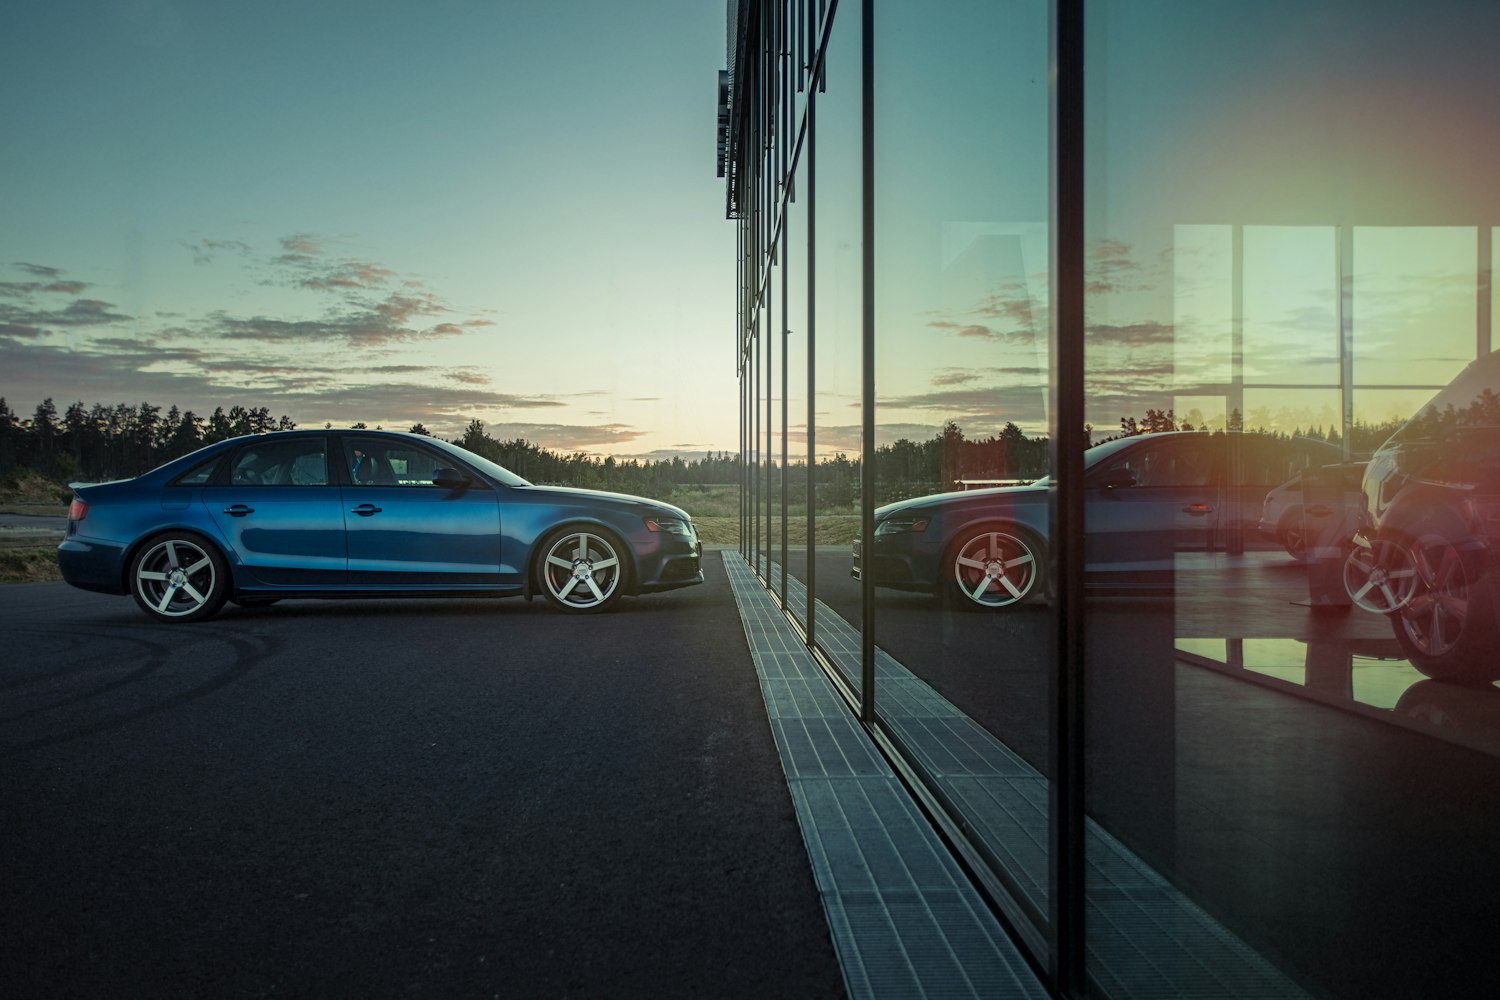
x: 1086, y: 351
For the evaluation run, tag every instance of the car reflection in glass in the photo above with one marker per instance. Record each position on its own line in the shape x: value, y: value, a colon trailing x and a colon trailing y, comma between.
x: 1299, y: 513
x: 1425, y: 556
x: 359, y: 514
x: 1148, y: 497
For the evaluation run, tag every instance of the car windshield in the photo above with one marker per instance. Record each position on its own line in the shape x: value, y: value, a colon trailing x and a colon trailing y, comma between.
x: 1470, y: 400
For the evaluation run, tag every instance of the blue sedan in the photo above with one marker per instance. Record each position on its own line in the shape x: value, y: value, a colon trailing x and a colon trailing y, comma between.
x: 1147, y: 498
x: 360, y: 514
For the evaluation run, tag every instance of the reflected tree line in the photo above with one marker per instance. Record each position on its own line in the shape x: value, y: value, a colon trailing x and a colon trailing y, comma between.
x: 99, y: 442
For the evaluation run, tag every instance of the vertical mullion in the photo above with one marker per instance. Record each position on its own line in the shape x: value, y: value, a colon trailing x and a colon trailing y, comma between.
x: 1486, y: 303
x: 867, y: 450
x: 812, y: 360
x: 1344, y: 252
x: 1066, y: 852
x: 786, y: 334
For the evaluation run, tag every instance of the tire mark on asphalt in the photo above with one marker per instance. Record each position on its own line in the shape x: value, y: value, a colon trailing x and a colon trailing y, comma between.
x: 247, y: 654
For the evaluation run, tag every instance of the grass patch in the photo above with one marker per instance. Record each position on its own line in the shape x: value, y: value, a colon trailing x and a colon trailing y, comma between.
x: 833, y: 529
x: 28, y: 564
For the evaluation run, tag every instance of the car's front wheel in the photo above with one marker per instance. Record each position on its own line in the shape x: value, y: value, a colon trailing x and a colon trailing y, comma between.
x: 994, y: 567
x: 1447, y: 628
x: 179, y: 578
x: 1293, y: 535
x: 581, y: 570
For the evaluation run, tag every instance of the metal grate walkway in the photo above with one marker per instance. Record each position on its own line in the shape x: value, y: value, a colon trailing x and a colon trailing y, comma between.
x: 905, y: 921
x: 1146, y: 940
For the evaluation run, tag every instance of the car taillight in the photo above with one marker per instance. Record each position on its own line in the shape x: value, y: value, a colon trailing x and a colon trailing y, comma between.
x: 77, y: 510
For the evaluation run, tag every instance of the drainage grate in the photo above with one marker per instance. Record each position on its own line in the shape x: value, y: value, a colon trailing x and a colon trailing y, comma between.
x: 905, y: 921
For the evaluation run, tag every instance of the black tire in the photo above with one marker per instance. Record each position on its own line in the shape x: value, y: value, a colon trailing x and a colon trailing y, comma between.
x: 1292, y: 534
x: 179, y: 577
x: 1448, y: 627
x: 989, y: 567
x: 582, y: 569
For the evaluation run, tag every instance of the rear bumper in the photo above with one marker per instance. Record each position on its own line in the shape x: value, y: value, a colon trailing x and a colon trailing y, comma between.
x: 92, y: 565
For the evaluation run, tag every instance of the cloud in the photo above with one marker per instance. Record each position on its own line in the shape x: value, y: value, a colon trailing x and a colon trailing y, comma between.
x: 339, y: 362
x: 1148, y: 334
x: 302, y: 245
x: 567, y: 437
x: 199, y: 380
x: 204, y: 251
x: 56, y: 283
x: 79, y: 313
x: 390, y: 320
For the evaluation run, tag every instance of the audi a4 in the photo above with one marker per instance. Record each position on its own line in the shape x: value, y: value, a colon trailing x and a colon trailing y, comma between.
x: 343, y: 514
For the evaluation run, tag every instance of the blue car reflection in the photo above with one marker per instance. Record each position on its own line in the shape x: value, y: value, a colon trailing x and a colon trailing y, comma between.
x: 1147, y: 498
x: 364, y: 513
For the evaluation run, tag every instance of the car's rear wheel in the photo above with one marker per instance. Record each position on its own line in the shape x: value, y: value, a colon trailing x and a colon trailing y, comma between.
x: 994, y: 567
x: 581, y: 570
x: 179, y: 577
x: 1447, y: 628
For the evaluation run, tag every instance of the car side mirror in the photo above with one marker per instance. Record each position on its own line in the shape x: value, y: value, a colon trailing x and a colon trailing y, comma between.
x: 450, y: 479
x: 1116, y: 479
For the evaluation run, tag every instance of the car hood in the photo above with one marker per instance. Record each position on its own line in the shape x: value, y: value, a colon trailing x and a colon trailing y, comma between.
x: 960, y: 498
x: 594, y: 496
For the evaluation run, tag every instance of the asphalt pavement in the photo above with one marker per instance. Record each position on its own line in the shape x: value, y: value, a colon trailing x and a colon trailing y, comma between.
x: 396, y: 798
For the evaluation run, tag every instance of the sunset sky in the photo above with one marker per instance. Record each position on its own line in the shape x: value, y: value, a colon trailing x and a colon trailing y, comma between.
x: 375, y: 212
x: 395, y: 213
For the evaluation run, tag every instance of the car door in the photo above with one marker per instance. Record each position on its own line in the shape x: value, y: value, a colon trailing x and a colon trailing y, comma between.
x: 405, y: 530
x: 280, y: 513
x: 1150, y: 501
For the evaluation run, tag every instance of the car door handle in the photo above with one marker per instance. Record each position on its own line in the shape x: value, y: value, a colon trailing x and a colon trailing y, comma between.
x: 1318, y: 510
x: 238, y: 510
x: 1198, y: 509
x: 366, y: 509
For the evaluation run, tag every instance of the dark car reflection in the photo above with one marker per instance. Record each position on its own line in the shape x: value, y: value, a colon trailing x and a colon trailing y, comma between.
x: 363, y: 513
x: 1148, y: 497
x: 1324, y: 505
x: 1425, y: 557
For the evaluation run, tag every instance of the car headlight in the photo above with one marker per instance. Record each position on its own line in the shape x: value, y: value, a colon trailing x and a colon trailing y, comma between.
x: 669, y: 525
x: 901, y: 525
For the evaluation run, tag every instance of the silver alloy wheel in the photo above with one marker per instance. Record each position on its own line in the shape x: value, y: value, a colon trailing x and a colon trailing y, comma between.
x: 177, y: 578
x: 995, y: 569
x: 1380, y: 578
x: 1436, y: 613
x: 581, y: 570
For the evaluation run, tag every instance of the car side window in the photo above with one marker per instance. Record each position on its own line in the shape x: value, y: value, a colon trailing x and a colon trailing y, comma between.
x: 199, y: 475
x: 1167, y: 463
x: 295, y: 462
x: 374, y: 462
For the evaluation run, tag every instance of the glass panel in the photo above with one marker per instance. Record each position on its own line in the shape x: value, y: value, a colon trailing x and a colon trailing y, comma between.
x: 1292, y: 729
x: 839, y: 350
x: 1417, y: 294
x: 1294, y: 412
x: 1203, y: 305
x: 795, y: 262
x: 1291, y: 285
x: 961, y: 618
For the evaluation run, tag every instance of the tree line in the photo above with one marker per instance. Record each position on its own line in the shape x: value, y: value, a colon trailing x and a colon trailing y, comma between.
x: 99, y: 442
